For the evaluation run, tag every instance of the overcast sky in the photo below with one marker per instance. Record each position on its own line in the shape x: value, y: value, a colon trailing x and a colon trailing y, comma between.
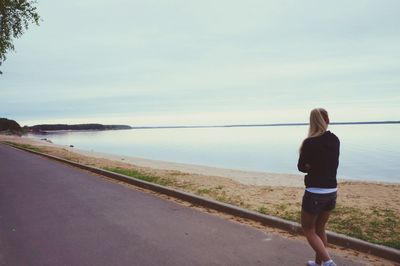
x: 205, y: 62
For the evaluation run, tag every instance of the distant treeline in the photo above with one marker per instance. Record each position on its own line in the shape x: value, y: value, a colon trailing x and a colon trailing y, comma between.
x: 53, y: 127
x: 10, y: 126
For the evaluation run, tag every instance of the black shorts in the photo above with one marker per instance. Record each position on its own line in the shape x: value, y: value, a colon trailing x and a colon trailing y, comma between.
x: 316, y: 203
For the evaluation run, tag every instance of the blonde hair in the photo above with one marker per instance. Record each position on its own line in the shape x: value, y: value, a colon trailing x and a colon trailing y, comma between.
x: 319, y: 121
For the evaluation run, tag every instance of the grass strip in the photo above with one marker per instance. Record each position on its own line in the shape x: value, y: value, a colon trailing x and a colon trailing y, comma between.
x: 375, y: 225
x: 25, y: 146
x: 139, y: 175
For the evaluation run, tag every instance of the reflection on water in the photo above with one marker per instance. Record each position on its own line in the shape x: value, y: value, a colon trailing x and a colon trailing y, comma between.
x: 368, y: 152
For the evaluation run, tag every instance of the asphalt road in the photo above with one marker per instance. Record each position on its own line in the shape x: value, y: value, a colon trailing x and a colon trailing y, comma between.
x: 54, y: 214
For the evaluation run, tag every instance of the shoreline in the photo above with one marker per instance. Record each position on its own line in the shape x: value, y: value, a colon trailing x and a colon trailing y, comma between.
x: 245, y: 177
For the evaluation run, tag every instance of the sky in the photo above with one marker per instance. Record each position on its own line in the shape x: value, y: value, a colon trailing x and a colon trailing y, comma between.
x: 176, y: 62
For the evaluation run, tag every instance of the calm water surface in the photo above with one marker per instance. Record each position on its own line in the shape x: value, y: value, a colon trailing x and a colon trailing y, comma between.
x: 368, y: 152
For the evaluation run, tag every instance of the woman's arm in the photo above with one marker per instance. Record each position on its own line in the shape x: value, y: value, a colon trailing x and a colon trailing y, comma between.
x: 304, y: 159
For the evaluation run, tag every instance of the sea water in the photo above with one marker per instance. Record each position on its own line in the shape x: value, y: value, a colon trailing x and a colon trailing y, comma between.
x: 368, y: 152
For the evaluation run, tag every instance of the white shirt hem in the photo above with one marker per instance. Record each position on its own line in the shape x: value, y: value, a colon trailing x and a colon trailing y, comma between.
x: 318, y: 190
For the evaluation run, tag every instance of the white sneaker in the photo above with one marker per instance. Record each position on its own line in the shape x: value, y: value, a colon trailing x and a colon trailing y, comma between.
x: 329, y: 263
x: 312, y: 263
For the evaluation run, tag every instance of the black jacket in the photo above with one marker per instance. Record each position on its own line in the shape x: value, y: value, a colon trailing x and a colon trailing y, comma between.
x: 322, y: 154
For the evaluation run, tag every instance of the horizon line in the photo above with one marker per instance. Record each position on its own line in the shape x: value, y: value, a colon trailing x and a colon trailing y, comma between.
x: 267, y: 125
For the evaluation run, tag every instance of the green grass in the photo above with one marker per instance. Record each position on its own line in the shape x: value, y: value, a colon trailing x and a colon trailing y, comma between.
x: 139, y: 175
x: 282, y: 210
x: 217, y: 193
x: 263, y: 210
x: 379, y: 226
x: 26, y: 146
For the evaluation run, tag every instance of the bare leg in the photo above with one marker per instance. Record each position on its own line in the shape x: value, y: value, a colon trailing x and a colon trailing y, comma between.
x: 308, y: 222
x: 321, y: 221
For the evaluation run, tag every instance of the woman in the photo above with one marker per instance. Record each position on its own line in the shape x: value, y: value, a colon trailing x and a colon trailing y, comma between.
x: 319, y: 158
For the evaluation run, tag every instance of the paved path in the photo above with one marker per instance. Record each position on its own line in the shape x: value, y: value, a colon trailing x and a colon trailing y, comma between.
x: 54, y: 214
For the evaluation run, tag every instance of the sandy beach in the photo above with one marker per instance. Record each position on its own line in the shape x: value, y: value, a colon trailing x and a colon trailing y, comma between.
x: 362, y: 207
x: 246, y: 184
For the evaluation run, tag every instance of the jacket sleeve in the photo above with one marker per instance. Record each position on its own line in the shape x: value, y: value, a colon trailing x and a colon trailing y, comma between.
x: 304, y: 158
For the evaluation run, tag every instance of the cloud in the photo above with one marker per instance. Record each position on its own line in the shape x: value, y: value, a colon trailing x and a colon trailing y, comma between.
x: 168, y: 57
